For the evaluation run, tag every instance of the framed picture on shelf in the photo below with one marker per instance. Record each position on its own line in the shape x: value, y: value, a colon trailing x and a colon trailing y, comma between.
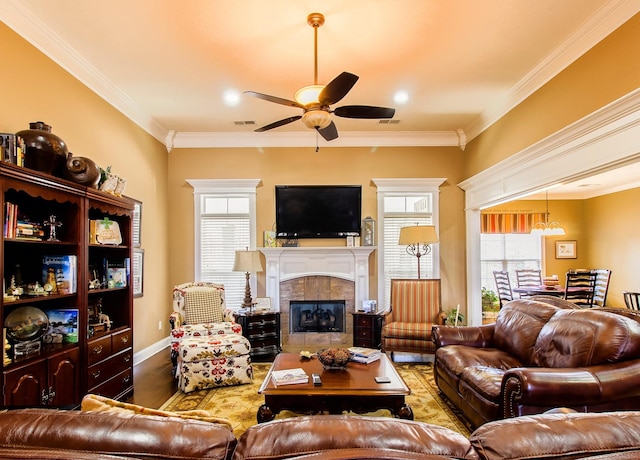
x: 566, y: 249
x: 262, y: 303
x: 63, y: 326
x: 137, y: 272
x: 137, y: 224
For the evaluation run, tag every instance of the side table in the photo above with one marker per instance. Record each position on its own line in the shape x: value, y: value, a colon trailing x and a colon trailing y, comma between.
x: 367, y: 329
x: 263, y: 331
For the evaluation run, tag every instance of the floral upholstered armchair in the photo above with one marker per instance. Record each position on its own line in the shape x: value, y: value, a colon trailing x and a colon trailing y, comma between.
x: 207, y: 346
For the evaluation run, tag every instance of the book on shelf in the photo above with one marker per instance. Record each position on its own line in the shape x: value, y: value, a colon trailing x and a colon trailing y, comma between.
x: 61, y: 273
x: 289, y: 376
x: 364, y: 355
x: 117, y: 272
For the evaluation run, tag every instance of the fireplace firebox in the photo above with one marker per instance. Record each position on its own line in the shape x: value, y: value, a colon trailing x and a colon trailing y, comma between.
x: 316, y: 316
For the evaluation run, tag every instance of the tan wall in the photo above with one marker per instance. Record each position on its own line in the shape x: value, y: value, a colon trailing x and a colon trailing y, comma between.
x: 605, y: 229
x: 604, y: 74
x: 282, y: 166
x: 34, y: 88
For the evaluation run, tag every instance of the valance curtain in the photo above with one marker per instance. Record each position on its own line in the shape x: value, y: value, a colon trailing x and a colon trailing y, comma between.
x: 509, y: 222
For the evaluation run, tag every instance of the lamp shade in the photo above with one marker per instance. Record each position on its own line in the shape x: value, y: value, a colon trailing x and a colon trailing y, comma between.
x: 247, y: 261
x: 424, y: 234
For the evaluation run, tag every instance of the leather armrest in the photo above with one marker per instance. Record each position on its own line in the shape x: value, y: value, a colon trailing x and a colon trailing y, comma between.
x: 472, y: 336
x: 569, y: 387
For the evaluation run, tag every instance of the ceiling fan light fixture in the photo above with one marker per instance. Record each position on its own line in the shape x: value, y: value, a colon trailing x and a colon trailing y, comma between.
x: 316, y: 119
x: 309, y: 94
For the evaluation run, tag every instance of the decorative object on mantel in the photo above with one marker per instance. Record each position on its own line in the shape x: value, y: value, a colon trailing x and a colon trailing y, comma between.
x: 417, y: 238
x: 368, y: 231
x: 45, y: 151
x: 83, y: 171
x: 247, y: 261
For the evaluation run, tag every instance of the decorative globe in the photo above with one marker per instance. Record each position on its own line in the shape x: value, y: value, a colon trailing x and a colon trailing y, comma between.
x: 334, y: 358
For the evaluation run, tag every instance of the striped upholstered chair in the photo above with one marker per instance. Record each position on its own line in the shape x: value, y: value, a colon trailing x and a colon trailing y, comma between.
x: 415, y: 308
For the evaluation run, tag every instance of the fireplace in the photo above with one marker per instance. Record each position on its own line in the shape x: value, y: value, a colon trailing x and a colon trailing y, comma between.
x: 316, y: 316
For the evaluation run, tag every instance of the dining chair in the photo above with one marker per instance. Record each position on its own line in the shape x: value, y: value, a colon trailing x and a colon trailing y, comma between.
x: 631, y: 300
x: 603, y: 277
x: 580, y: 288
x: 503, y: 286
x: 527, y: 277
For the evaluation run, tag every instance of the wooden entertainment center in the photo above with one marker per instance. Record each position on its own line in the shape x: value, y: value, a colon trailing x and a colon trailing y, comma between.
x: 89, y: 345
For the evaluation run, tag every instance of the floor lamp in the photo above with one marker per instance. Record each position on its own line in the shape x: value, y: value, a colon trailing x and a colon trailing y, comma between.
x: 248, y: 262
x: 418, y: 238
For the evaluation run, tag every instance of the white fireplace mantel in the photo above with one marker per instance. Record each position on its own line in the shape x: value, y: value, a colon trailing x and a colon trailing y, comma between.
x: 350, y: 263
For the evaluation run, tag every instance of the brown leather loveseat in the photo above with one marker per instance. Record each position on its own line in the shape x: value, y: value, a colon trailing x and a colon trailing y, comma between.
x: 55, y: 434
x: 538, y: 356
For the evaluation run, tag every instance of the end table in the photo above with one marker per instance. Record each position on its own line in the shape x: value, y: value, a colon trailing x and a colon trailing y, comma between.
x: 263, y: 331
x: 367, y: 329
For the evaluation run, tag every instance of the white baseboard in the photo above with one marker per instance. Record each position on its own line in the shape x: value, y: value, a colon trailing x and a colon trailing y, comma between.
x: 152, y: 350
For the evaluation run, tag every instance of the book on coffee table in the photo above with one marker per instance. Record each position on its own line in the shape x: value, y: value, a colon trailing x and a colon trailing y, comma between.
x: 364, y: 355
x: 289, y: 376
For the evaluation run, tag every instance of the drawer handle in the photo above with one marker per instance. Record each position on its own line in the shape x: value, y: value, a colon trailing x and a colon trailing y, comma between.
x: 126, y: 379
x: 127, y: 358
x: 97, y: 350
x: 95, y: 374
x: 124, y: 339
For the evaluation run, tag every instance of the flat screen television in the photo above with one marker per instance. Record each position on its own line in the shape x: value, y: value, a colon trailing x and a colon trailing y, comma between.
x: 318, y: 211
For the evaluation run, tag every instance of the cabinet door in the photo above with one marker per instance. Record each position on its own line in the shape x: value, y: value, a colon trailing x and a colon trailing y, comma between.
x: 64, y: 384
x: 25, y: 386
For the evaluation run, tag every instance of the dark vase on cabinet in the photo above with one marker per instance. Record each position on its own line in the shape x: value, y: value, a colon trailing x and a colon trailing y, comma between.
x: 367, y: 330
x: 50, y: 356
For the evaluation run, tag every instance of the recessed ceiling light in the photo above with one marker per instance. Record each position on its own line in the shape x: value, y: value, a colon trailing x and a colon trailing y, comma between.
x: 401, y: 97
x: 231, y: 97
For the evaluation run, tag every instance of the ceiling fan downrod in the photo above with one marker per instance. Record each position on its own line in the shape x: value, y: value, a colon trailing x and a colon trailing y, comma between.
x: 315, y: 20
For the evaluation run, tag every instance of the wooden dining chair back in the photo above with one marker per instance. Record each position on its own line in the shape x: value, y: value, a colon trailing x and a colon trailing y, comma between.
x: 528, y: 277
x: 631, y: 300
x: 580, y: 288
x: 503, y: 286
x: 603, y: 277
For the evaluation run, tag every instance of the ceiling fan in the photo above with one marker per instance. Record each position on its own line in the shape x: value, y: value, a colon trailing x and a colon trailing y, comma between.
x: 315, y: 100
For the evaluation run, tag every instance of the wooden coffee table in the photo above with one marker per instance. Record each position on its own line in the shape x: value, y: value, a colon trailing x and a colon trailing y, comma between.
x: 353, y: 389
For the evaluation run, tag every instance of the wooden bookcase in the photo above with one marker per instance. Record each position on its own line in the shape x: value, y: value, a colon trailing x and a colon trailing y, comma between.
x: 43, y: 371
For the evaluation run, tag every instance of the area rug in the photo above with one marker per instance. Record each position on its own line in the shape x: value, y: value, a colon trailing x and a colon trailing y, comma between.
x: 239, y: 404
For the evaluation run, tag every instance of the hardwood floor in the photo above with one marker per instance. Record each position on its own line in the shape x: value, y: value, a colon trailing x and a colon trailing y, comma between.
x: 152, y: 381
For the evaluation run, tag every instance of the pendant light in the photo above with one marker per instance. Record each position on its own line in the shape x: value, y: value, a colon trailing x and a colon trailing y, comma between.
x: 547, y: 228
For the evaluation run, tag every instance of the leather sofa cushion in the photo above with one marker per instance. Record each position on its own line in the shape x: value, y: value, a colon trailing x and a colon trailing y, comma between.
x: 321, y: 434
x: 457, y: 358
x: 576, y: 338
x: 518, y: 325
x: 485, y: 381
x: 560, y: 436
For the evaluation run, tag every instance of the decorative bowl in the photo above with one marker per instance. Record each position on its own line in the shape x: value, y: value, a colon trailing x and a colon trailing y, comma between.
x: 334, y: 358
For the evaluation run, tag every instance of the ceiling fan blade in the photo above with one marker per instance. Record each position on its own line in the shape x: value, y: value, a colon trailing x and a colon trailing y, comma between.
x: 364, y: 111
x: 277, y: 124
x: 337, y: 88
x: 330, y: 132
x: 277, y: 100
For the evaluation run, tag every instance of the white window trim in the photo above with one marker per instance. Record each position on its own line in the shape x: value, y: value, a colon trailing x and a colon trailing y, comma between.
x: 222, y: 186
x: 390, y: 187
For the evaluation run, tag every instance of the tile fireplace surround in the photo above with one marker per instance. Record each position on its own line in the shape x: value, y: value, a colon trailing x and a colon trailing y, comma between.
x: 317, y: 273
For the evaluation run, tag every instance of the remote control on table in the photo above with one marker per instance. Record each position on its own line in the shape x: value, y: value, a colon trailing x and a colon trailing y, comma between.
x: 316, y: 379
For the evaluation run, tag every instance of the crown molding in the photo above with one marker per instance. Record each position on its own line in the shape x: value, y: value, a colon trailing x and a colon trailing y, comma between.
x: 610, y: 17
x: 603, y: 140
x: 311, y: 139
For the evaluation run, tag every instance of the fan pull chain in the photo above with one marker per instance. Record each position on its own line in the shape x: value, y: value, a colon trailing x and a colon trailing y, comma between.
x: 317, y: 146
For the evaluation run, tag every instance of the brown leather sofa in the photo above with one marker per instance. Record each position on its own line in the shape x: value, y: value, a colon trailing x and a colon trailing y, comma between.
x: 537, y: 356
x: 54, y: 434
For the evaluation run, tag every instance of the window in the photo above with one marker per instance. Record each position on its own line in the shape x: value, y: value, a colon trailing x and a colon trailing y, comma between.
x: 404, y: 202
x: 225, y: 222
x: 510, y: 252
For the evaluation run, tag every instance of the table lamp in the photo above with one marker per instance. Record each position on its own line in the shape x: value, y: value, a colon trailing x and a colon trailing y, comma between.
x: 247, y: 261
x: 418, y: 238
